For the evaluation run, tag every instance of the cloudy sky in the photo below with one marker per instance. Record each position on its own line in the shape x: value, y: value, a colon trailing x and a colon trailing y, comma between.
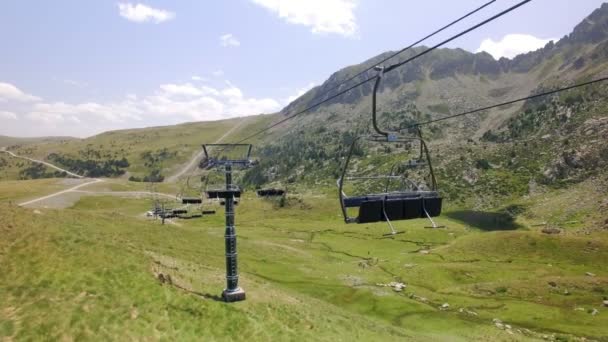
x: 73, y: 67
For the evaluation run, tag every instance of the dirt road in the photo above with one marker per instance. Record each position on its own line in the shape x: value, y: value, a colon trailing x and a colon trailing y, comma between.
x: 198, y: 156
x: 42, y: 162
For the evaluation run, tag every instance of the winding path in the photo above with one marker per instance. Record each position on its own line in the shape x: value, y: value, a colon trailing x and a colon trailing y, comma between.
x: 43, y: 162
x: 61, y: 192
x: 118, y: 193
x: 198, y: 156
x: 77, y: 187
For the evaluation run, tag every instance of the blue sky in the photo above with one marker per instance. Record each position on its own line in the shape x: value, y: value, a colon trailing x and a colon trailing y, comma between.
x: 73, y: 67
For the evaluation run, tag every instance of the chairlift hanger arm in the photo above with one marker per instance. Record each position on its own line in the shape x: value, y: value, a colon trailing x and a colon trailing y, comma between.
x: 428, y: 160
x: 374, y: 94
x: 341, y: 180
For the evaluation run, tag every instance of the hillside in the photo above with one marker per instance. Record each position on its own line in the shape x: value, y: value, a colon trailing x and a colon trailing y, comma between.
x: 520, y: 253
x: 94, y: 271
x: 453, y: 80
x: 149, y: 152
x: 6, y: 141
x: 551, y: 142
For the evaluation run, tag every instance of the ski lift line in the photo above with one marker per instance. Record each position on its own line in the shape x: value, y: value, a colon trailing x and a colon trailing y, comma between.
x: 506, y: 103
x: 390, y: 68
x: 305, y: 110
x: 412, y: 45
x: 472, y: 28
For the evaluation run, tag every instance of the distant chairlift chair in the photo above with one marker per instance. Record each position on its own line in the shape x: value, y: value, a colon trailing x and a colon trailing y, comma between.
x: 270, y: 192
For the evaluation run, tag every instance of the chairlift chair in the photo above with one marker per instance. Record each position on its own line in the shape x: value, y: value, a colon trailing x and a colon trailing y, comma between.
x: 409, y: 201
x: 270, y: 192
x: 188, y: 201
x: 219, y: 192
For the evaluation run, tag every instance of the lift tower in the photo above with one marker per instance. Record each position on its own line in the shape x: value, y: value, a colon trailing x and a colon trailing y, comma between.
x: 223, y: 157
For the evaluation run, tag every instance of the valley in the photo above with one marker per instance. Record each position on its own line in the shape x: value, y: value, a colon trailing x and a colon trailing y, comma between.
x: 89, y: 252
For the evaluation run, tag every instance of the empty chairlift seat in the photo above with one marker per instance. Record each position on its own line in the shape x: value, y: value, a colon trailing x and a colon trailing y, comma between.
x: 192, y: 200
x: 223, y: 194
x: 395, y: 207
x: 370, y: 211
x: 432, y: 205
x: 271, y: 192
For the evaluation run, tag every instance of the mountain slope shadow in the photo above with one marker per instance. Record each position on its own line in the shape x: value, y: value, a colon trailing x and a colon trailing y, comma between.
x: 488, y: 221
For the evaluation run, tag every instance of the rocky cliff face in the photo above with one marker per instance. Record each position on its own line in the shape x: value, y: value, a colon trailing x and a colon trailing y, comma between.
x: 443, y: 64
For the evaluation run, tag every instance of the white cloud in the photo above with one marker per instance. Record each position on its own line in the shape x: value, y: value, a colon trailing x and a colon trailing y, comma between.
x: 9, y: 92
x: 140, y: 13
x: 198, y: 78
x: 228, y: 40
x: 171, y: 103
x: 232, y: 92
x: 8, y: 115
x: 512, y: 45
x: 322, y: 16
x: 186, y: 89
x: 300, y: 92
x: 218, y: 73
x: 77, y: 84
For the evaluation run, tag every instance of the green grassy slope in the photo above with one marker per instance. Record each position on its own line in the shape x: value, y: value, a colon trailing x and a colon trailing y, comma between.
x: 6, y: 141
x: 170, y: 147
x: 92, y: 272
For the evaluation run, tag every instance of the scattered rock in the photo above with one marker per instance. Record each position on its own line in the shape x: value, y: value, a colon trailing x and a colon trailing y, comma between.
x: 424, y: 251
x: 418, y: 298
x: 37, y: 212
x: 566, y: 292
x: 499, y: 325
x: 552, y: 284
x: 589, y: 274
x: 496, y: 320
x: 551, y: 230
x: 605, y: 303
x: 445, y: 306
x: 397, y: 287
x: 507, y: 326
x: 165, y: 279
x: 468, y: 312
x: 594, y: 312
x: 579, y: 309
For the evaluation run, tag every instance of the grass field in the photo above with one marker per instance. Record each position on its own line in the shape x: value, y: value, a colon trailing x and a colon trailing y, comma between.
x: 91, y: 272
x: 182, y: 142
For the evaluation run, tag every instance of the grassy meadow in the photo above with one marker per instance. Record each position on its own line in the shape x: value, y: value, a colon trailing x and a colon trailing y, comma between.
x: 91, y: 272
x: 165, y: 148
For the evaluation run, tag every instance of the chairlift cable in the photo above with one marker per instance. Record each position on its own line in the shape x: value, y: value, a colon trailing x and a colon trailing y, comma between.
x: 555, y: 91
x: 470, y: 29
x: 412, y: 45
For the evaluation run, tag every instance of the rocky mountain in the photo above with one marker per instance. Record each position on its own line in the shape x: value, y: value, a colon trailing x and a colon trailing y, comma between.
x: 585, y: 46
x: 486, y: 160
x: 482, y: 160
